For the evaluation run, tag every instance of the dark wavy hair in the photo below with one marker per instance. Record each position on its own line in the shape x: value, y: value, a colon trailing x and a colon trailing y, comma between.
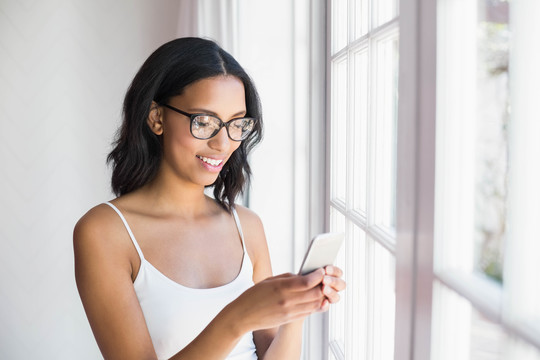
x: 137, y: 151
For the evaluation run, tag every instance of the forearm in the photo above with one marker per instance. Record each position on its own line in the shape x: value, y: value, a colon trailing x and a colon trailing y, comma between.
x: 216, y: 341
x: 287, y: 344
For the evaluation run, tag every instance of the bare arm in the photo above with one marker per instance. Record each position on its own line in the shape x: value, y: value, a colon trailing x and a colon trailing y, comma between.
x: 103, y: 273
x: 103, y: 270
x: 287, y: 342
x: 104, y: 260
x: 273, y: 337
x: 284, y: 341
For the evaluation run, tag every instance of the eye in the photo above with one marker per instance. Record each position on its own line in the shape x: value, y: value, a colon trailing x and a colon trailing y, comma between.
x: 246, y: 125
x: 238, y: 124
x: 201, y: 121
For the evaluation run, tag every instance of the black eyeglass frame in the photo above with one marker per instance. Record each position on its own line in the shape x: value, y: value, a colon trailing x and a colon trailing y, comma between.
x: 222, y: 124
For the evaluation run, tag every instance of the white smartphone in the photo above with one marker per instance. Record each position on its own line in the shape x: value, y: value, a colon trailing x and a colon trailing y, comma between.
x: 322, y: 251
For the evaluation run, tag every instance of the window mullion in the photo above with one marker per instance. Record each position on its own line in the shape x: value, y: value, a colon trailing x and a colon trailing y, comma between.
x: 521, y: 269
x: 350, y: 134
x: 415, y: 179
x: 370, y: 287
x: 370, y: 179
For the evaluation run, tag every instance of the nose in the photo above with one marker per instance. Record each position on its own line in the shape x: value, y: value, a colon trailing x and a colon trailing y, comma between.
x: 221, y: 141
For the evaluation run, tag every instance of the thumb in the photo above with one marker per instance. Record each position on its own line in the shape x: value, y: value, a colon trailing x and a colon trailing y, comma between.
x: 310, y: 280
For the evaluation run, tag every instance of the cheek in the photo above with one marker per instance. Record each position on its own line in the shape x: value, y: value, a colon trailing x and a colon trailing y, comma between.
x: 234, y: 147
x: 177, y: 132
x: 179, y: 142
x: 181, y: 134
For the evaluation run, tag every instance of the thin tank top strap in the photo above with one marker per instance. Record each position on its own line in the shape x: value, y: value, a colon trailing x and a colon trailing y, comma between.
x: 139, y: 251
x: 239, y: 227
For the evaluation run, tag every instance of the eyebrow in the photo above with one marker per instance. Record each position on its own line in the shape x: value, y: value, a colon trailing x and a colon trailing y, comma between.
x: 209, y: 112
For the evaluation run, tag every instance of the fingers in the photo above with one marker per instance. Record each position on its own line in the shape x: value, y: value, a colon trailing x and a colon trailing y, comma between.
x: 337, y: 284
x: 282, y: 276
x: 333, y: 271
x: 324, y: 306
x: 313, y: 279
x: 331, y: 295
x: 304, y: 298
x: 291, y: 289
x: 333, y: 283
x: 305, y: 282
x: 323, y: 283
x: 321, y: 304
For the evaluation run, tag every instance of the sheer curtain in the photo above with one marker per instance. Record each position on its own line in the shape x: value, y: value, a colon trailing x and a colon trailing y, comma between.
x: 215, y: 19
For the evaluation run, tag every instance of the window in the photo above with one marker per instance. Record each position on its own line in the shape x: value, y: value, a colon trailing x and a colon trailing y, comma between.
x: 484, y: 198
x: 363, y: 118
x: 438, y: 190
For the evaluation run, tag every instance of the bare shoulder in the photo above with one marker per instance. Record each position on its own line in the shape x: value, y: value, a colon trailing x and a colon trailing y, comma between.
x: 103, y: 272
x: 100, y: 234
x: 99, y: 219
x: 252, y: 227
x: 256, y: 244
x: 248, y: 217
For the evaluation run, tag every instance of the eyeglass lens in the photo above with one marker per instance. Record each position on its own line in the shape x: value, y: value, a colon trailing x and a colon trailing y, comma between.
x: 207, y: 126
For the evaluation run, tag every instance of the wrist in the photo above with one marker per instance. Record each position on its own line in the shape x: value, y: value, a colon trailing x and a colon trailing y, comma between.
x: 232, y: 322
x: 294, y: 325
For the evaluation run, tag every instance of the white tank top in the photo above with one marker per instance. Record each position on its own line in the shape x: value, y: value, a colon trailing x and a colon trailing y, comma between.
x: 176, y: 314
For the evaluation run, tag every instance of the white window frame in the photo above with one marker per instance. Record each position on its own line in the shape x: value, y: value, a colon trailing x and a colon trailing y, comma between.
x: 415, y: 277
x: 415, y: 190
x: 416, y: 134
x: 310, y: 155
x: 415, y: 179
x: 514, y: 305
x: 379, y: 234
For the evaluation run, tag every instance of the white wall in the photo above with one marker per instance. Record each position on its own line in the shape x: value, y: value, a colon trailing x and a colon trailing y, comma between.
x: 265, y: 49
x: 64, y: 68
x: 260, y: 34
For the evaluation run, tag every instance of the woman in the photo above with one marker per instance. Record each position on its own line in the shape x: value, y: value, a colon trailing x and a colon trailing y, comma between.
x: 191, y: 116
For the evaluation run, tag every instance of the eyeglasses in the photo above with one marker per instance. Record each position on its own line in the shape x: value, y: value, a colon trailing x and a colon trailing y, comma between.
x: 205, y: 126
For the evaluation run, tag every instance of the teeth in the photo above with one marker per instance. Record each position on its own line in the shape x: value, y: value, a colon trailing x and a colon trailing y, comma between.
x: 210, y: 161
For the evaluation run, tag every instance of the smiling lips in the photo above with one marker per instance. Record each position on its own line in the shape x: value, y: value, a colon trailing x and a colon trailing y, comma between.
x: 211, y: 164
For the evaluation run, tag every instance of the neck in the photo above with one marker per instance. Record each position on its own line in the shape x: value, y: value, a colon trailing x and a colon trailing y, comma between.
x: 170, y: 195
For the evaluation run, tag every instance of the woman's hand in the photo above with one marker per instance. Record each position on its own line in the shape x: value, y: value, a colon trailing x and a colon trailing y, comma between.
x: 279, y: 300
x: 332, y: 284
x: 285, y: 298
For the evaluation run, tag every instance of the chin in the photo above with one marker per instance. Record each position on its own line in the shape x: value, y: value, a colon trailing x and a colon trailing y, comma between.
x: 210, y: 181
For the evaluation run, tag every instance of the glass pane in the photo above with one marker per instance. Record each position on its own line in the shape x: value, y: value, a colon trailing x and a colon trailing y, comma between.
x: 339, y: 25
x: 455, y: 136
x: 384, y: 113
x: 356, y: 347
x: 361, y: 86
x: 461, y: 332
x: 383, y: 302
x: 337, y: 331
x: 521, y: 264
x: 472, y: 137
x: 351, y: 318
x: 491, y: 136
x: 383, y: 11
x: 451, y: 328
x: 361, y: 21
x: 338, y: 164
